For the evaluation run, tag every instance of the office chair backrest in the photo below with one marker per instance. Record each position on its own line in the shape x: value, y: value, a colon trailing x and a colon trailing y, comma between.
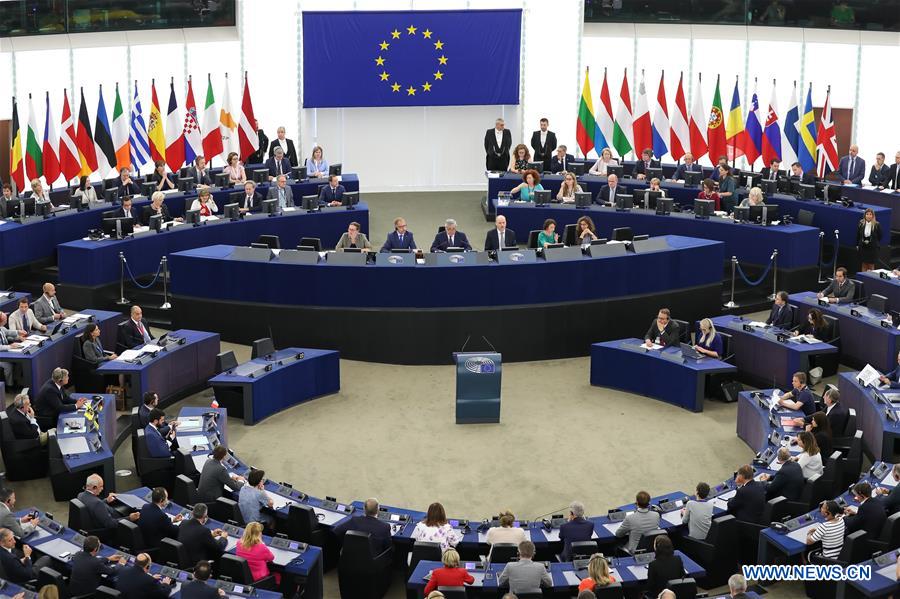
x: 795, y: 315
x: 533, y: 239
x: 184, y: 491
x: 502, y: 553
x: 684, y: 330
x: 226, y: 510
x: 273, y: 241
x: 454, y: 592
x: 104, y: 592
x: 47, y: 575
x: 859, y: 290
x: 173, y: 553
x: 236, y: 568
x: 805, y: 217
x: 684, y: 588
x: 726, y: 344
x: 424, y: 550
x: 851, y: 423
x: 129, y: 536
x: 856, y: 548
x: 835, y: 327
x: 582, y: 549
x: 79, y: 516
x: 611, y: 591
x: 357, y: 549
x: 722, y: 528
x: 313, y: 242
x: 302, y: 522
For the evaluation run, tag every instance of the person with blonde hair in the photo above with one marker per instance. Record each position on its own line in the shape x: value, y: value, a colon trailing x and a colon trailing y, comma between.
x: 252, y: 549
x: 710, y: 342
x: 506, y: 532
x: 598, y: 574
x: 316, y: 165
x: 48, y: 591
x: 606, y: 160
x: 451, y: 575
x: 755, y: 198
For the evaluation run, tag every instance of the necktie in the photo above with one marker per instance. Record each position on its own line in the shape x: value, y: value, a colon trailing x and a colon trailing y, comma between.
x: 25, y: 322
x: 279, y: 167
x: 850, y: 168
x: 401, y: 238
x: 451, y: 241
x: 280, y: 196
x: 141, y: 329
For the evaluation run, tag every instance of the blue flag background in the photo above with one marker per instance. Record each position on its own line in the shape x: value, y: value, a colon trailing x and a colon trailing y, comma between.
x: 411, y: 58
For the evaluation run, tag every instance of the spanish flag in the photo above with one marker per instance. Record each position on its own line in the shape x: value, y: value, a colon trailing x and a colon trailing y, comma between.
x: 16, y: 164
x: 155, y: 128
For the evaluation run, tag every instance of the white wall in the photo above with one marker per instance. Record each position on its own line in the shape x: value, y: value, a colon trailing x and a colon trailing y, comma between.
x: 442, y: 146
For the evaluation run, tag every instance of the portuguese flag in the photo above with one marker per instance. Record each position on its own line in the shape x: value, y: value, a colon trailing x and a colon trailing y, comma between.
x: 584, y: 130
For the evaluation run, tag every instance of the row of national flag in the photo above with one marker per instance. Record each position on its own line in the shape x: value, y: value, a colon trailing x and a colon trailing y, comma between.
x: 743, y: 131
x: 105, y: 146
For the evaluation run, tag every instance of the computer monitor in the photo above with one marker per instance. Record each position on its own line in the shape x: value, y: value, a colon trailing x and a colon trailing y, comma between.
x: 756, y: 213
x: 262, y: 347
x: 335, y: 169
x: 807, y: 192
x: 226, y: 361
x: 654, y: 172
x: 185, y: 184
x: 665, y: 205
x: 832, y: 193
x: 622, y: 234
x: 742, y: 214
x: 878, y: 303
x: 600, y: 241
x: 583, y: 199
x: 20, y: 207
x: 615, y: 169
x: 192, y: 217
x: 310, y: 203
x: 222, y: 180
x: 44, y: 209
x: 231, y: 212
x: 577, y: 168
x: 260, y: 175
x: 769, y: 187
x: 259, y: 246
x: 536, y: 166
x: 78, y: 203
x: 60, y: 196
x: 703, y: 208
x: 156, y: 222
x: 784, y: 185
x: 692, y: 178
x: 349, y: 199
x: 623, y: 202
x: 147, y: 188
x: 541, y: 197
x: 645, y: 198
x: 752, y: 179
x: 235, y: 197
x: 270, y: 207
x: 118, y: 228
x: 298, y: 173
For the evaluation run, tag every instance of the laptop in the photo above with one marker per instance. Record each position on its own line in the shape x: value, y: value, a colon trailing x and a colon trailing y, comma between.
x: 688, y: 351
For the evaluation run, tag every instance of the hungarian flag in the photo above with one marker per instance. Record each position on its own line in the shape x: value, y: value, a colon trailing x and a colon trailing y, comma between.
x: 103, y: 138
x: 212, y: 140
x: 586, y: 125
x: 155, y: 132
x: 715, y: 128
x: 175, y: 136
x: 753, y: 131
x: 661, y: 127
x: 68, y: 151
x: 247, y: 135
x: 698, y: 123
x: 34, y: 165
x: 643, y: 136
x: 84, y: 140
x: 771, y: 140
x: 826, y: 140
x: 227, y: 124
x: 16, y: 164
x: 120, y: 134
x: 51, y: 162
x: 193, y: 141
x: 680, y: 138
x: 604, y: 116
x: 734, y: 126
x: 622, y: 128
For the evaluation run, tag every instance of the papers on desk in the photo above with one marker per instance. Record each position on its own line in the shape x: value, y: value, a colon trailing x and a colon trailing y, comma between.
x: 888, y: 481
x: 553, y: 535
x: 614, y: 526
x: 799, y: 535
x: 150, y: 348
x: 889, y: 273
x: 721, y: 501
x: 128, y: 354
x: 869, y: 376
x: 73, y: 445
x: 889, y: 572
x: 279, y: 501
x: 35, y: 338
x: 758, y: 324
x: 327, y: 517
x: 804, y: 339
x: 192, y: 423
x: 231, y: 542
x: 199, y: 461
x: 290, y: 209
x: 673, y: 517
x: 775, y: 465
x: 75, y: 318
x: 56, y: 547
x: 572, y: 579
x: 73, y: 425
x: 132, y: 501
x: 203, y: 219
x: 639, y: 571
x: 194, y: 441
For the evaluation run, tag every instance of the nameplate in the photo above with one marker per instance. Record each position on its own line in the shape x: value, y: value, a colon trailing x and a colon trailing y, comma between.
x: 252, y: 254
x: 650, y: 245
x: 346, y: 258
x: 456, y: 258
x: 884, y: 275
x: 747, y: 328
x: 562, y: 254
x: 298, y: 257
x: 607, y: 249
x: 823, y: 301
x: 886, y: 324
x: 396, y: 259
x: 517, y: 256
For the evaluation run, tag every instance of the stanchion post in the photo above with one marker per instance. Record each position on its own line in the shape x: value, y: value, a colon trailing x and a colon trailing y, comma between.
x: 165, y: 275
x: 731, y: 303
x: 122, y: 301
x: 821, y: 256
x: 837, y: 245
x: 774, y: 275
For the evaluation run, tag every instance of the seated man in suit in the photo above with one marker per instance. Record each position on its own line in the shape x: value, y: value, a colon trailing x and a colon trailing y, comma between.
x: 800, y: 396
x: 560, y: 162
x: 136, y: 581
x: 251, y: 200
x: 197, y: 588
x: 869, y: 516
x: 770, y: 173
x: 281, y: 191
x: 20, y: 527
x: 836, y: 412
x: 90, y: 571
x: 607, y: 194
x: 214, y: 477
x: 17, y: 567
x: 891, y: 502
x: 333, y: 193
x: 154, y: 523
x: 450, y: 237
x: 133, y: 332
x: 525, y: 576
x: 46, y: 307
x: 576, y: 529
x: 52, y: 399
x: 199, y: 173
x: 399, y: 238
x: 688, y: 166
x: 852, y: 168
x: 808, y: 178
x: 840, y: 290
x: 641, y: 520
x: 127, y: 187
x: 9, y: 339
x: 23, y: 422
x: 199, y: 542
x: 892, y: 378
x: 24, y: 319
x: 499, y: 236
x: 663, y: 330
x: 646, y: 162
x: 780, y: 315
x: 788, y: 481
x: 127, y: 210
x: 150, y: 401
x: 750, y: 499
x: 102, y: 514
x: 278, y: 164
x: 159, y: 444
x: 379, y: 532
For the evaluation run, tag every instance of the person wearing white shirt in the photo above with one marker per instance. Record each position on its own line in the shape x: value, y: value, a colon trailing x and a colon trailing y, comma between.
x: 9, y: 339
x: 38, y: 193
x: 24, y: 319
x: 605, y: 161
x: 810, y: 459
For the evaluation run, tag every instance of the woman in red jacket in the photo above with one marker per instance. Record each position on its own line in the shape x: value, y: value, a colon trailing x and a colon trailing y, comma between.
x: 451, y: 575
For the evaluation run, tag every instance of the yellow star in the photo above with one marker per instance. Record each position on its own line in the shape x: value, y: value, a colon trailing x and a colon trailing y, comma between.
x: 410, y: 91
x: 395, y: 87
x: 426, y: 86
x: 395, y: 34
x: 442, y: 59
x: 426, y: 34
x: 411, y: 30
x: 439, y: 45
x: 379, y: 61
x: 384, y: 75
x: 384, y: 45
x: 439, y: 75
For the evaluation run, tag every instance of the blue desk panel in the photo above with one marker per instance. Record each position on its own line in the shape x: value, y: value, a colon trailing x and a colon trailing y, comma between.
x: 881, y: 436
x: 93, y: 263
x: 755, y: 423
x: 664, y: 375
x: 9, y: 301
x: 877, y: 198
x: 107, y: 420
x: 830, y: 217
x: 879, y: 585
x: 889, y: 288
x: 798, y: 246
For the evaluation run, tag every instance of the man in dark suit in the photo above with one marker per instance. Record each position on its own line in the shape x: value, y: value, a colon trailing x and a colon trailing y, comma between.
x: 127, y: 187
x: 561, y: 161
x: 835, y: 410
x: 333, y: 193
x: 52, y: 399
x: 379, y: 532
x: 770, y: 173
x: 892, y: 378
x: 646, y: 162
x: 134, y: 332
x: 670, y: 333
x: 150, y: 401
x: 543, y: 142
x: 687, y: 166
x: 215, y: 477
x: 400, y: 238
x: 200, y: 542
x: 607, y: 194
x: 497, y: 142
x: 575, y: 530
x: 780, y: 315
x: 891, y: 496
x: 102, y: 514
x: 127, y: 210
x: 17, y: 567
x: 197, y: 588
x: 90, y: 571
x: 155, y: 525
x: 788, y: 481
x: 286, y: 145
x: 499, y: 236
x: 892, y: 181
x: 852, y: 168
x: 198, y: 173
x: 840, y: 290
x: 159, y: 444
x: 278, y: 164
x: 750, y: 499
x: 450, y: 237
x: 804, y: 178
x: 22, y: 420
x: 869, y: 516
x: 257, y: 156
x: 135, y: 582
x: 251, y: 200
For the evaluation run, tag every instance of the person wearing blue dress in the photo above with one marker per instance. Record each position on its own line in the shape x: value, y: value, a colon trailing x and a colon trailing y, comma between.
x: 531, y: 182
x: 710, y: 342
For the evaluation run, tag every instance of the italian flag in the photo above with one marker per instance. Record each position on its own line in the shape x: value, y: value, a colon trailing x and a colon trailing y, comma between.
x: 212, y: 140
x: 584, y: 131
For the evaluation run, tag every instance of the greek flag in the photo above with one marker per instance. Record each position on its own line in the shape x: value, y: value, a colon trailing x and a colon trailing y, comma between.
x: 137, y: 139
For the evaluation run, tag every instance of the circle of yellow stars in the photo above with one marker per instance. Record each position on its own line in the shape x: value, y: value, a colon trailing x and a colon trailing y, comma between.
x: 381, y: 61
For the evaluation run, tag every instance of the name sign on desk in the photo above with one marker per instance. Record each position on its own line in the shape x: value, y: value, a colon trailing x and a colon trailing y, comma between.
x: 455, y: 258
x: 395, y: 260
x: 528, y: 256
x: 563, y: 253
x: 298, y: 257
x: 607, y: 249
x: 346, y: 258
x: 252, y: 254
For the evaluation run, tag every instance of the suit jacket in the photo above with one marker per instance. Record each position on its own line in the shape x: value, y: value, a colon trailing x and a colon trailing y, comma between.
x: 379, y: 532
x: 837, y: 418
x: 93, y: 352
x: 766, y: 173
x: 557, y: 165
x: 12, y: 522
x: 879, y: 176
x: 213, y: 480
x: 256, y: 202
x: 331, y: 195
x: 683, y: 168
x: 874, y: 238
x: 393, y: 242
x: 780, y: 316
x: 16, y: 571
x: 198, y: 177
x: 361, y: 241
x: 130, y: 337
x: 16, y: 321
x: 134, y: 213
x: 88, y: 573
x: 492, y: 240
x: 661, y: 570
x: 157, y: 447
x: 442, y: 241
x: 844, y: 293
x: 149, y: 211
x: 272, y: 165
x: 198, y: 589
x: 574, y: 531
x: 858, y: 172
x: 524, y: 576
x: 640, y: 167
x: 808, y: 178
x: 788, y: 481
x: 542, y: 153
x: 44, y: 309
x: 607, y: 195
x: 748, y: 503
x: 869, y: 517
x: 497, y: 158
x: 893, y: 177
x: 155, y: 525
x: 21, y: 425
x: 52, y: 401
x: 134, y: 583
x: 128, y: 189
x: 102, y: 514
x: 199, y: 542
x: 288, y: 195
x: 892, y: 501
x: 669, y: 336
x: 290, y: 153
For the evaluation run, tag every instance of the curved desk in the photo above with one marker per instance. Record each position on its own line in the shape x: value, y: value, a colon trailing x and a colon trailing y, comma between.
x: 78, y: 446
x: 540, y: 310
x: 881, y: 434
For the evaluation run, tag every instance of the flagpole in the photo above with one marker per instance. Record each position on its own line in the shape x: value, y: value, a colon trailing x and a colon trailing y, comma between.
x: 208, y: 85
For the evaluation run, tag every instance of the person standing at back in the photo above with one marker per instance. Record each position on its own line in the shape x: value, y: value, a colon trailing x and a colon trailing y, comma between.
x: 543, y: 142
x: 497, y: 142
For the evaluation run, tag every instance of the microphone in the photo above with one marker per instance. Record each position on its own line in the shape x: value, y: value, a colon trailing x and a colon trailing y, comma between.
x: 489, y: 343
x: 463, y: 348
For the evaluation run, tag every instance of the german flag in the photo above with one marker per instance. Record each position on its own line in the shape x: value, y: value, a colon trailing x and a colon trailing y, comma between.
x: 16, y: 163
x: 84, y: 141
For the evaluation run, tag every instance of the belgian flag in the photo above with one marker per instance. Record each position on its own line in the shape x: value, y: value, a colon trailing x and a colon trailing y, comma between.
x: 16, y: 163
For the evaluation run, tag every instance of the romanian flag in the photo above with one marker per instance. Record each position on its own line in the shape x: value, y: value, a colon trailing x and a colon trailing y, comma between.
x: 155, y: 128
x: 16, y: 164
x: 84, y: 139
x: 584, y: 129
x: 734, y: 126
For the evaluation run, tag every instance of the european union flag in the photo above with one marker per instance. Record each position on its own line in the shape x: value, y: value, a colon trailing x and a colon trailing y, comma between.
x: 411, y: 58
